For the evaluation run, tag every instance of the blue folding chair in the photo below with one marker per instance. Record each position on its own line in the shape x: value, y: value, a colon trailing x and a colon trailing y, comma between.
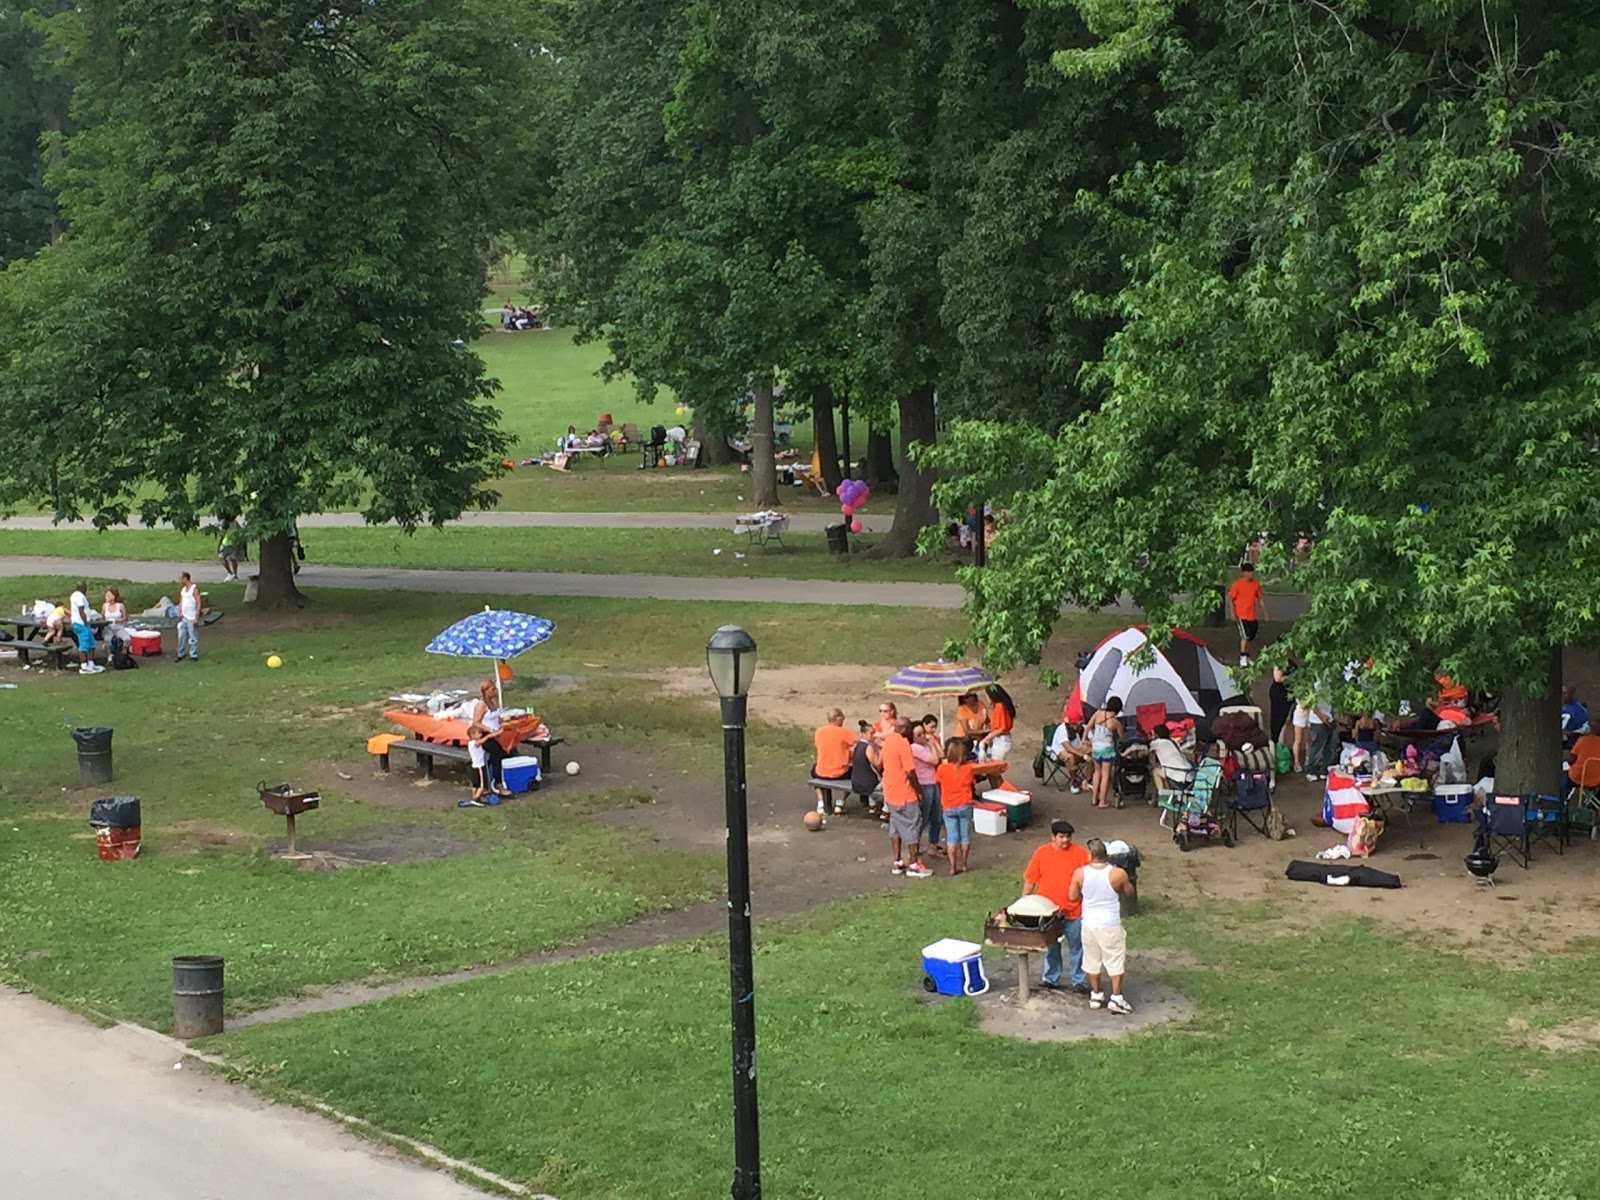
x: 1504, y: 824
x: 1545, y: 820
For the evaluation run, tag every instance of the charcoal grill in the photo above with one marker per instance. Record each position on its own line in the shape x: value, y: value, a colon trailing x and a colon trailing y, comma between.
x: 1022, y: 937
x: 288, y: 802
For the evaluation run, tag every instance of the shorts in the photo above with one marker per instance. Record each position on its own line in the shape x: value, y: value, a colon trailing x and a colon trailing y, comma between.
x: 958, y: 825
x: 1248, y: 630
x: 905, y: 821
x: 1105, y: 948
x: 1302, y: 716
x: 1104, y: 754
x: 84, y: 634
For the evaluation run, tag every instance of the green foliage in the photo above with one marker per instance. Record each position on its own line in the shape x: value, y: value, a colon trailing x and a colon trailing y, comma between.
x: 278, y: 215
x: 1362, y: 309
x: 34, y: 90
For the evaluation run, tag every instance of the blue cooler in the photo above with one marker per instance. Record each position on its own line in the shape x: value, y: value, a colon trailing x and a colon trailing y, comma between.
x: 954, y: 968
x: 1452, y: 803
x: 520, y: 774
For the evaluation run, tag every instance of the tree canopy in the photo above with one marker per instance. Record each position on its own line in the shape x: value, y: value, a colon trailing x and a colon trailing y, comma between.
x: 1362, y: 309
x: 276, y: 217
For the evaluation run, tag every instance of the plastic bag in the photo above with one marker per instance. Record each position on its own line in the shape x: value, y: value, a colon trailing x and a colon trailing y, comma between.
x: 1452, y: 764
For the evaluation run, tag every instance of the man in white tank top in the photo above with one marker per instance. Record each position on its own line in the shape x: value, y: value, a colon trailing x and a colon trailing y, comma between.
x: 1100, y: 887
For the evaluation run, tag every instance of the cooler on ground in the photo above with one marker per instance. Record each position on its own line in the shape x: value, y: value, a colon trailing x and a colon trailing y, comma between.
x: 1452, y: 803
x: 144, y: 643
x: 1018, y: 806
x: 520, y: 774
x: 954, y: 968
x: 989, y: 818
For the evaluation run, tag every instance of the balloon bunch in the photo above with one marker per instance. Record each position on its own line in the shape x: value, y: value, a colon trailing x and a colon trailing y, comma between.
x: 853, y: 495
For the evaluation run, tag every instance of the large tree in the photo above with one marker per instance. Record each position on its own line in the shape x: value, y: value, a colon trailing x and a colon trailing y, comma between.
x: 35, y: 87
x: 1364, y: 310
x: 277, y: 212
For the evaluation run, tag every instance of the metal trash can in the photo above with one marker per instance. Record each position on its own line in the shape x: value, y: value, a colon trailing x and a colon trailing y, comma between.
x: 838, y: 539
x: 196, y: 995
x: 94, y: 754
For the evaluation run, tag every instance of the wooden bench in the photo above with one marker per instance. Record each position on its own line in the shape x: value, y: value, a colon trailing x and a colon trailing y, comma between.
x: 426, y: 752
x: 24, y: 649
x: 830, y: 786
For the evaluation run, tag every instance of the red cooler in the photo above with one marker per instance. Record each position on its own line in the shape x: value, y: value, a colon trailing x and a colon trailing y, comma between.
x: 144, y: 643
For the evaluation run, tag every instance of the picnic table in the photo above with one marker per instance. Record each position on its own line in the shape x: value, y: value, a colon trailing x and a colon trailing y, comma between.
x: 27, y: 641
x: 762, y: 527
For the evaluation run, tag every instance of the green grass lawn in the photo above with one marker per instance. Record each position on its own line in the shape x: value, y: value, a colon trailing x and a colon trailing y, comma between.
x: 1342, y: 1062
x: 604, y: 551
x: 192, y: 742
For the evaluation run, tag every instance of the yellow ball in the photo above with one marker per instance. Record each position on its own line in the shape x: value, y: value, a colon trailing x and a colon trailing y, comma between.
x: 274, y: 661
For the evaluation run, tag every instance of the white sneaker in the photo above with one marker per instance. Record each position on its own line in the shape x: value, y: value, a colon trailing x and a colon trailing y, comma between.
x: 1097, y: 999
x: 821, y: 808
x: 1244, y: 660
x: 1119, y: 1006
x: 919, y: 871
x: 85, y: 669
x: 96, y: 669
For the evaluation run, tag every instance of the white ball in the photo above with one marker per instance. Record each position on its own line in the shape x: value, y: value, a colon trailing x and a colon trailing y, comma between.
x: 572, y: 768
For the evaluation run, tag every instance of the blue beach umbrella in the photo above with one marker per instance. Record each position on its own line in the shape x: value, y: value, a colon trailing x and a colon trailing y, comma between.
x: 493, y: 633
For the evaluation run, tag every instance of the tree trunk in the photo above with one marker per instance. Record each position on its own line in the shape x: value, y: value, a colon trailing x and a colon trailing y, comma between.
x: 913, y: 508
x: 714, y: 448
x: 275, y: 586
x: 822, y: 435
x: 849, y: 471
x: 1529, y: 756
x: 880, y: 460
x: 763, y: 467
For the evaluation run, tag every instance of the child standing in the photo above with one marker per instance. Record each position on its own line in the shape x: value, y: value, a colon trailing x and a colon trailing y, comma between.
x: 479, y: 758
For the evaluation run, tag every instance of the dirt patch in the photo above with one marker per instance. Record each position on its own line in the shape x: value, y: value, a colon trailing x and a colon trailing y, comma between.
x: 1570, y: 1037
x: 1066, y: 1017
x: 389, y: 845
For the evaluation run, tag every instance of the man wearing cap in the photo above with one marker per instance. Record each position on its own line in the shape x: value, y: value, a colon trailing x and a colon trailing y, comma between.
x: 1098, y: 887
x: 1049, y: 874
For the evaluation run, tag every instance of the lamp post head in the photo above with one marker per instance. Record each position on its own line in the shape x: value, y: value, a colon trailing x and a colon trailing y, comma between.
x: 731, y: 659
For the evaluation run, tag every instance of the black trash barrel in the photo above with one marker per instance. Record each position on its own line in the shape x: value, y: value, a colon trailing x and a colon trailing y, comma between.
x: 94, y: 754
x: 196, y: 995
x: 1129, y: 862
x: 838, y: 539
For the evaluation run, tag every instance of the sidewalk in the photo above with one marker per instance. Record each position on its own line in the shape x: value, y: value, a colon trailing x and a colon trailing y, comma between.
x: 103, y: 1112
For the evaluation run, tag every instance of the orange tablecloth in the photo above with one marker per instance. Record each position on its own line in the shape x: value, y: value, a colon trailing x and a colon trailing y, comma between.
x: 453, y: 731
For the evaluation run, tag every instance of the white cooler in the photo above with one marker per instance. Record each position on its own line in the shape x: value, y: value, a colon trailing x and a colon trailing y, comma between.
x: 989, y: 819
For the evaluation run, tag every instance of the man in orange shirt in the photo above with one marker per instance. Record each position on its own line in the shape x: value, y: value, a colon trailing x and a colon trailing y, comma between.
x: 834, y: 744
x: 902, y: 799
x: 1049, y: 874
x: 1249, y: 604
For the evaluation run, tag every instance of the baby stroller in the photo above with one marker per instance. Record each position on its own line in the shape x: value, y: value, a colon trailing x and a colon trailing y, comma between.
x: 1188, y: 807
x: 1130, y: 776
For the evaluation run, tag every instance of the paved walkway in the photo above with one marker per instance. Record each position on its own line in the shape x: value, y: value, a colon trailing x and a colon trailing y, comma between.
x: 804, y: 522
x: 525, y: 583
x: 90, y: 1112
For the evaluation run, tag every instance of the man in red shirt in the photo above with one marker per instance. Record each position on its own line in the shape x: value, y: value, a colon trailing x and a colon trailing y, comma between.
x: 1249, y: 604
x: 902, y: 799
x: 1049, y: 873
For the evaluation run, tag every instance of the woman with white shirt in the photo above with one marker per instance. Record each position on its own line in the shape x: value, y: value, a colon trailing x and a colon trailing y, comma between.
x: 116, y: 614
x: 484, y: 727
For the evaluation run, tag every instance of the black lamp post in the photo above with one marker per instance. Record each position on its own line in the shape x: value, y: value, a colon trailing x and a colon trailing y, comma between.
x: 731, y: 659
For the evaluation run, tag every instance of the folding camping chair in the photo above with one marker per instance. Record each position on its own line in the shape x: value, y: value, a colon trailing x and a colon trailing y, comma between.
x: 1545, y: 818
x: 1504, y: 824
x: 1583, y: 802
x: 1252, y: 800
x: 1052, y: 768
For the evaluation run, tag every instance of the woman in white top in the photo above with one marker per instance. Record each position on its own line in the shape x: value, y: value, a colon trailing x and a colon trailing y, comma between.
x: 1104, y: 730
x: 1172, y: 767
x: 485, y: 728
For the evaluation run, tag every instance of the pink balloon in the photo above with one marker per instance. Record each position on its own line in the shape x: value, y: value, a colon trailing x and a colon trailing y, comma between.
x: 845, y: 509
x: 855, y: 525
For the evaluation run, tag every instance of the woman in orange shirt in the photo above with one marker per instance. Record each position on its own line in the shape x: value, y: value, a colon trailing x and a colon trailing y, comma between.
x: 995, y: 745
x: 888, y: 718
x: 955, y: 775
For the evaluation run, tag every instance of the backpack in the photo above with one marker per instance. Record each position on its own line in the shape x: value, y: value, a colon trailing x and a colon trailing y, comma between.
x: 119, y: 658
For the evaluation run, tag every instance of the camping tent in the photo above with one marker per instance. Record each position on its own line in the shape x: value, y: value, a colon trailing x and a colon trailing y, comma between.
x: 1185, y: 676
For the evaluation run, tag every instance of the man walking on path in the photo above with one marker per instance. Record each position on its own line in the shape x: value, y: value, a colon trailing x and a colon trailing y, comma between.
x: 188, y: 618
x: 1099, y: 888
x: 1050, y: 873
x: 1249, y: 604
x: 902, y: 798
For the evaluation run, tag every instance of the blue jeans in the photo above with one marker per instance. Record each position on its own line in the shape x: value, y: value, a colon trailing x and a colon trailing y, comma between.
x: 1052, y: 957
x: 932, y: 821
x: 958, y: 826
x: 189, y: 638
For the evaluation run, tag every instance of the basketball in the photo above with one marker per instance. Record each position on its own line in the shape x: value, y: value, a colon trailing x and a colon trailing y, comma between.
x: 274, y: 661
x: 814, y: 821
x: 572, y: 768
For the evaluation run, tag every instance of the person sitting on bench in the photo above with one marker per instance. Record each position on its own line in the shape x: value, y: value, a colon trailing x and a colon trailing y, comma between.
x: 834, y: 744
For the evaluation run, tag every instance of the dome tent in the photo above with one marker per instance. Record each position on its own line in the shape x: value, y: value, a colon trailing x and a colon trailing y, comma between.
x: 1184, y: 675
